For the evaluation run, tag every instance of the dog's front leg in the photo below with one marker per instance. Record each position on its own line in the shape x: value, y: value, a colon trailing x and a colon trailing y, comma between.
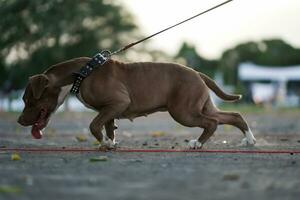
x: 110, y: 128
x: 106, y: 116
x: 96, y: 129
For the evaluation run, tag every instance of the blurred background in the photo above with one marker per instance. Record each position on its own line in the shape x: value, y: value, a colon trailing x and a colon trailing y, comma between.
x: 251, y: 47
x: 248, y: 47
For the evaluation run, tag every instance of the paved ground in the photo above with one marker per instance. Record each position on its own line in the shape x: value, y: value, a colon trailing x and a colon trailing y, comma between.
x: 151, y: 175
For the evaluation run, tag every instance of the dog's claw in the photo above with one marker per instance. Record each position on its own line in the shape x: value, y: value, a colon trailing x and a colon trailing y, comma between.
x: 194, y: 144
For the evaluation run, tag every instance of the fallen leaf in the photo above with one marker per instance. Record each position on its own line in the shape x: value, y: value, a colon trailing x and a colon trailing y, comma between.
x: 231, y: 177
x: 96, y: 143
x: 99, y: 158
x: 81, y: 138
x: 15, y: 156
x: 10, y: 189
x: 158, y: 134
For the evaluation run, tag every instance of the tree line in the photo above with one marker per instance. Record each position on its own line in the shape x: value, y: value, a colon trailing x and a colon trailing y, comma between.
x: 37, y: 34
x: 272, y: 52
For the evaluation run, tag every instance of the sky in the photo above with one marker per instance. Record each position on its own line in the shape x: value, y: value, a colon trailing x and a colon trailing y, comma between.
x: 223, y: 28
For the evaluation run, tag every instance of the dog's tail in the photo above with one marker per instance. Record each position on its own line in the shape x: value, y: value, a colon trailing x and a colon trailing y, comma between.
x: 217, y: 90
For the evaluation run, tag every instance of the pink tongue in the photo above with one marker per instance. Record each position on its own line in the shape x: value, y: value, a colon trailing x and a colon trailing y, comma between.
x: 36, y: 132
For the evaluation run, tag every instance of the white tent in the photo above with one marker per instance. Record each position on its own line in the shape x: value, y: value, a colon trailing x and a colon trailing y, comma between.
x: 278, y: 77
x: 252, y: 72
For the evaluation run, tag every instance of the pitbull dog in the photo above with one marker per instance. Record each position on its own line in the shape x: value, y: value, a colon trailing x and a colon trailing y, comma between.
x: 118, y: 90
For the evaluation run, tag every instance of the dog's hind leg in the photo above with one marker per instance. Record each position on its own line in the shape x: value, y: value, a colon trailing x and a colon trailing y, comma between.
x: 231, y: 118
x: 195, y: 119
x: 235, y: 119
x: 187, y: 110
x: 209, y: 125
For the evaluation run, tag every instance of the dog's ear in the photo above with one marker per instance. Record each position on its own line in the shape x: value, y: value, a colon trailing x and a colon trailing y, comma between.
x: 38, y: 84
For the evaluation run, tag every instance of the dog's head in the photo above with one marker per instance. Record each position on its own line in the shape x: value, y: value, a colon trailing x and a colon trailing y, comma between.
x: 41, y: 100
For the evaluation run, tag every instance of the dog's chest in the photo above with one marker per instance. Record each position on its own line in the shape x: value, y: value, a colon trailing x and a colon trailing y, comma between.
x: 79, y: 97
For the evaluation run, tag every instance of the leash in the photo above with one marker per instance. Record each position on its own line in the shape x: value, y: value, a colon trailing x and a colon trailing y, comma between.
x: 168, y: 28
x: 101, y: 58
x: 123, y: 150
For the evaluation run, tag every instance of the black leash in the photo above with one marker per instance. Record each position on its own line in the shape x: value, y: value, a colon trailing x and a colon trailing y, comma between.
x: 101, y: 58
x: 168, y: 28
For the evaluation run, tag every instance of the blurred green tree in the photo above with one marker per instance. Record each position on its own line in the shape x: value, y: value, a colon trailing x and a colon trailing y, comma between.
x: 36, y: 34
x: 192, y: 59
x: 277, y: 52
x: 273, y: 52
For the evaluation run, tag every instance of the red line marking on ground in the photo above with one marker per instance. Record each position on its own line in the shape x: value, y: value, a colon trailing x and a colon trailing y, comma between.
x: 84, y: 150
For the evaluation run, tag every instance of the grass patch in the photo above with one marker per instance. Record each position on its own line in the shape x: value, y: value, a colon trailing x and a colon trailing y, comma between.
x: 5, y: 189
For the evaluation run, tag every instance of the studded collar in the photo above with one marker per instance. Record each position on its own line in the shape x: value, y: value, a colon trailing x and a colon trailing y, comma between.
x: 97, y: 60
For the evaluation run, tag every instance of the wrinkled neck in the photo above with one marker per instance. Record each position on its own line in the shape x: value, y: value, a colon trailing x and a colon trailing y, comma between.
x: 62, y: 74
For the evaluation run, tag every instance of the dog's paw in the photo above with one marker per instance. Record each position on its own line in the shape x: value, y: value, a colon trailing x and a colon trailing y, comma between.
x: 107, y: 145
x: 194, y: 144
x: 249, y: 140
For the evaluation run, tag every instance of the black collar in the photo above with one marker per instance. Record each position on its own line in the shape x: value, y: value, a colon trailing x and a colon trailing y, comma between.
x: 98, y: 60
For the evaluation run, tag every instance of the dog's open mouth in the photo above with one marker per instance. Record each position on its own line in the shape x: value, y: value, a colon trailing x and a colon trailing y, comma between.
x: 36, y: 130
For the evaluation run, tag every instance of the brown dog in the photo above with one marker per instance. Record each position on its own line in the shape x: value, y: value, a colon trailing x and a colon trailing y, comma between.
x: 127, y: 90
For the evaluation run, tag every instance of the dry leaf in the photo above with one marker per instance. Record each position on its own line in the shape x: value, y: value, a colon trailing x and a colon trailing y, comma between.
x: 100, y: 158
x: 81, y: 138
x: 15, y: 156
x: 158, y: 134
